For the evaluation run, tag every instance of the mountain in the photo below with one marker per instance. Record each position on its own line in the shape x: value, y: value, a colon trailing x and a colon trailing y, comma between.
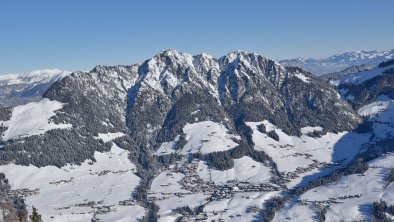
x: 362, y: 88
x: 366, y: 194
x: 347, y: 71
x: 17, y: 89
x: 179, y: 137
x: 339, y: 62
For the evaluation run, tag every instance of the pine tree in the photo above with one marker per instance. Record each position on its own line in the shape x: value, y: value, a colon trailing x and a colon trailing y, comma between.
x: 35, y: 216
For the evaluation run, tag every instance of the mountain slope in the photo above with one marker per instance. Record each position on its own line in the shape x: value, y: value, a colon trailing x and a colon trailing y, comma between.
x: 362, y: 88
x: 180, y: 119
x: 347, y: 71
x: 355, y: 195
x: 339, y: 62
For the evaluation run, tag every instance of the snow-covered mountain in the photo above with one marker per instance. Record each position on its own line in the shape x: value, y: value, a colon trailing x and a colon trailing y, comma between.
x: 183, y: 137
x: 347, y: 71
x: 17, y: 89
x: 339, y: 62
x: 365, y: 195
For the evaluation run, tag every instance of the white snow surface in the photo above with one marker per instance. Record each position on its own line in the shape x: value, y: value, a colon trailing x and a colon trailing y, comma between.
x: 106, y: 137
x: 381, y: 113
x: 32, y: 119
x: 59, y: 190
x: 192, y: 200
x: 302, y: 77
x: 361, y: 77
x: 204, y: 137
x: 168, y: 183
x: 237, y: 208
x: 245, y: 169
x: 374, y: 108
x: 298, y: 154
x: 372, y: 186
x: 207, y: 137
x: 38, y: 76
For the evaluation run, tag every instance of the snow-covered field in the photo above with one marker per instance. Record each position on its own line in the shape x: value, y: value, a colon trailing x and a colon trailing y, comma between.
x: 298, y: 157
x: 204, y: 137
x: 381, y: 113
x: 242, y: 207
x: 245, y: 169
x: 32, y: 119
x: 349, y: 199
x: 100, y: 189
x: 172, y: 189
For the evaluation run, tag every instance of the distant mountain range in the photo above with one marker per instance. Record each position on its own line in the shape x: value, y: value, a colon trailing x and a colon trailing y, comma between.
x: 339, y: 62
x: 21, y: 88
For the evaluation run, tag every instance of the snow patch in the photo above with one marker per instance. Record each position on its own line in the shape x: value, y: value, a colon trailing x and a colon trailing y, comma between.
x: 301, y: 156
x: 302, y: 77
x: 374, y: 108
x: 168, y: 147
x: 32, y: 119
x: 204, y: 137
x: 350, y: 197
x: 63, y: 192
x: 361, y: 77
x: 106, y: 137
x: 245, y: 169
x: 207, y: 137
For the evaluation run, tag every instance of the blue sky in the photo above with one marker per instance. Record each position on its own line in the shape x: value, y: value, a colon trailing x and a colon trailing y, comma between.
x: 79, y: 34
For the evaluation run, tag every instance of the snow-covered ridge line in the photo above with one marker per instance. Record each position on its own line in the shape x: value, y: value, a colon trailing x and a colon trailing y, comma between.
x: 37, y: 76
x: 360, y: 77
x: 339, y: 62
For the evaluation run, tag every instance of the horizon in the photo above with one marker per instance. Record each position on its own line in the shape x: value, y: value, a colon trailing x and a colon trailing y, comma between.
x: 143, y: 60
x: 75, y: 35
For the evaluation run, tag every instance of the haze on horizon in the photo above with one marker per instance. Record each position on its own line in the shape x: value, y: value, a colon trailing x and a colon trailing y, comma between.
x: 78, y: 35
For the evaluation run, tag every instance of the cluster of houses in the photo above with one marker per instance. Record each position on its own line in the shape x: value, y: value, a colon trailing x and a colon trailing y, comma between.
x: 192, y: 183
x: 24, y: 192
x: 62, y: 181
x: 105, y: 172
x: 287, y: 176
x: 331, y: 200
x: 127, y: 202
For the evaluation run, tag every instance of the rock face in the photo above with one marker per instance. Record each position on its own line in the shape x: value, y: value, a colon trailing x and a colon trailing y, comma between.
x: 151, y: 103
x: 339, y: 62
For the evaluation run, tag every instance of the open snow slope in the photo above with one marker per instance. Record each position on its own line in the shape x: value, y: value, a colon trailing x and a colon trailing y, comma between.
x: 204, y: 137
x: 101, y: 189
x: 298, y: 157
x: 349, y: 199
x: 245, y: 169
x: 32, y: 119
x: 360, y: 77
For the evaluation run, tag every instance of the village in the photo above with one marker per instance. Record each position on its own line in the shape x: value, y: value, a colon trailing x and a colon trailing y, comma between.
x: 331, y: 200
x: 192, y: 183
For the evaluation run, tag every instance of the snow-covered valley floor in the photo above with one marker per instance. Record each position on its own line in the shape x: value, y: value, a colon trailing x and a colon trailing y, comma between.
x: 101, y: 189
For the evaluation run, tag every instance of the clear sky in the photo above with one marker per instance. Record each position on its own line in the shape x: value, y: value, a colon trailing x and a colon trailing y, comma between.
x: 79, y: 34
